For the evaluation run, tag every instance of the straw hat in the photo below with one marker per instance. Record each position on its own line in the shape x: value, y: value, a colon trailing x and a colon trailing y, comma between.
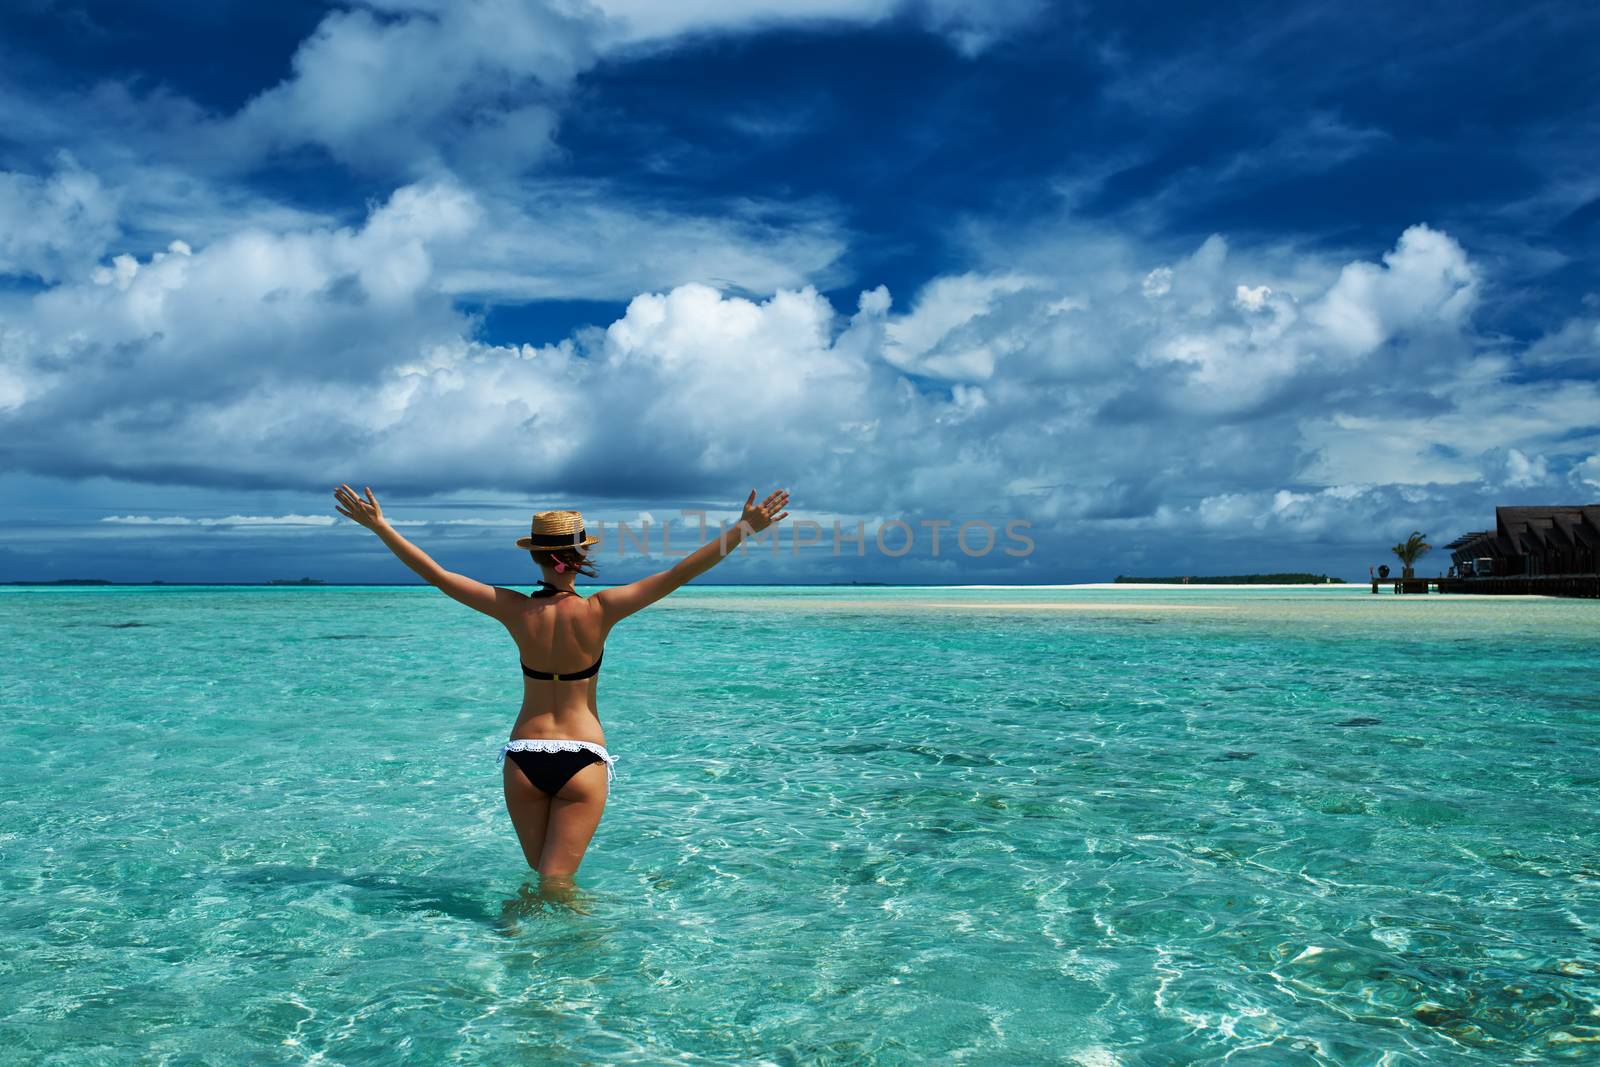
x: 557, y: 529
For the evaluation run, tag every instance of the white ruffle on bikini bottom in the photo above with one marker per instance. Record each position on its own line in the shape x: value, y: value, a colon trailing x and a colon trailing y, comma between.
x: 562, y: 744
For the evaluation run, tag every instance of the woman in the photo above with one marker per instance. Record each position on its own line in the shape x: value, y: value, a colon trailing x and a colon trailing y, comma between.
x: 558, y: 771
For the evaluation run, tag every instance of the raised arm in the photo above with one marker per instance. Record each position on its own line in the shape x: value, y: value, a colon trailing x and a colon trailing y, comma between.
x: 489, y: 599
x: 621, y: 601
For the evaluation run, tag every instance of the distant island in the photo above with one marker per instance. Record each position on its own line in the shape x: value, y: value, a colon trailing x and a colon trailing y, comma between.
x: 1236, y: 579
x: 297, y: 581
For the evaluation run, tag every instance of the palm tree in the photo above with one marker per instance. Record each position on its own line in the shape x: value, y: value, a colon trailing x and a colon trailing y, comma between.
x: 1410, y: 550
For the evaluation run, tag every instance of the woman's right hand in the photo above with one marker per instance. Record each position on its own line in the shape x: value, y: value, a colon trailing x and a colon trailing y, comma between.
x: 619, y: 601
x: 759, y: 516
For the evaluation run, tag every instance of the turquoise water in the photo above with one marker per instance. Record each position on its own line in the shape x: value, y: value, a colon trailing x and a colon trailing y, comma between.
x: 849, y: 826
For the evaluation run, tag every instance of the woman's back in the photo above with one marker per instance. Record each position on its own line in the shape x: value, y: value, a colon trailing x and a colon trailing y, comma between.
x: 558, y: 633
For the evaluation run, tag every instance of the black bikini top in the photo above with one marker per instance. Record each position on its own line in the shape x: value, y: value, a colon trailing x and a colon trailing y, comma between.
x: 545, y: 676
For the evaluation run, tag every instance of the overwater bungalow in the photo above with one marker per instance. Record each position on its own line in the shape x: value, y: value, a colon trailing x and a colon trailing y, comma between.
x: 1554, y: 551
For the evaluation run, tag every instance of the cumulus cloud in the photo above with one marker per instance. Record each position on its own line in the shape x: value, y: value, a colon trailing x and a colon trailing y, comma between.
x: 251, y: 308
x: 567, y: 240
x: 1586, y: 474
x: 255, y: 522
x: 1158, y: 283
x: 229, y: 520
x: 416, y: 87
x: 250, y: 318
x: 1516, y: 469
x: 1251, y: 299
x: 54, y: 226
x: 1212, y: 343
x: 939, y: 337
x: 1066, y: 397
x: 422, y: 93
x: 1332, y: 515
x: 1451, y: 434
x: 537, y: 240
x: 422, y: 87
x: 1216, y: 335
x: 261, y: 357
x: 1425, y: 283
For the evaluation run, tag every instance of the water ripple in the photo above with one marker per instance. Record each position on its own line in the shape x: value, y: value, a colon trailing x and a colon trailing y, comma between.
x: 1267, y: 828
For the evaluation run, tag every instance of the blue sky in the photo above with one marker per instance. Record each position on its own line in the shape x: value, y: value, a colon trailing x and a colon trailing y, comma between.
x: 1184, y: 290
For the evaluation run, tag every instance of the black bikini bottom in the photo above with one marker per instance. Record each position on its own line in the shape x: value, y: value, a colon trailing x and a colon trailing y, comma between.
x: 551, y: 770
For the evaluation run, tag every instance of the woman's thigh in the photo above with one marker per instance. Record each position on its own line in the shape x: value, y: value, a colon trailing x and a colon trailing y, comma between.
x: 530, y: 812
x: 575, y: 813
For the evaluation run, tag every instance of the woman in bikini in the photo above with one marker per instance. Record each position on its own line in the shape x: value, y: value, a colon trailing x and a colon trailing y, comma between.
x: 558, y: 771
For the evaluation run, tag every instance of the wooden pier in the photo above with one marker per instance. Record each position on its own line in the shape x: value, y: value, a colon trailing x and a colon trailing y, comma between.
x: 1563, y: 585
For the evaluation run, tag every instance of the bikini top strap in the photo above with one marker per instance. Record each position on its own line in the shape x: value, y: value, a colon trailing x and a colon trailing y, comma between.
x: 550, y: 590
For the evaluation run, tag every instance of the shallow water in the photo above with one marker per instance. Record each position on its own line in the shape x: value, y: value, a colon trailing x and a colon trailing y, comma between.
x: 1284, y: 827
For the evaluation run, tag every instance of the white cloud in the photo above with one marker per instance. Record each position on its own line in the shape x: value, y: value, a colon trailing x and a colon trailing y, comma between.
x: 1070, y: 399
x: 970, y: 25
x: 1575, y: 347
x: 230, y: 520
x: 13, y: 387
x: 421, y: 87
x: 1077, y: 376
x: 1211, y: 344
x: 724, y: 384
x: 1587, y: 473
x: 1251, y: 299
x: 570, y: 241
x: 464, y: 95
x: 643, y: 20
x: 1158, y: 283
x: 1523, y: 470
x: 936, y: 338
x: 1426, y: 282
x: 55, y: 226
x: 425, y: 88
x: 1332, y: 515
x: 295, y: 521
x: 1454, y: 443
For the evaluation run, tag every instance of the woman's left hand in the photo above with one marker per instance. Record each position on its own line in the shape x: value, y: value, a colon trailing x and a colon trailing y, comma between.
x: 366, y: 512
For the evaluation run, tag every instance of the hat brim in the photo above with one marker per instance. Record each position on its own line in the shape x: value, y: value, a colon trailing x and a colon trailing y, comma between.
x: 527, y: 543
